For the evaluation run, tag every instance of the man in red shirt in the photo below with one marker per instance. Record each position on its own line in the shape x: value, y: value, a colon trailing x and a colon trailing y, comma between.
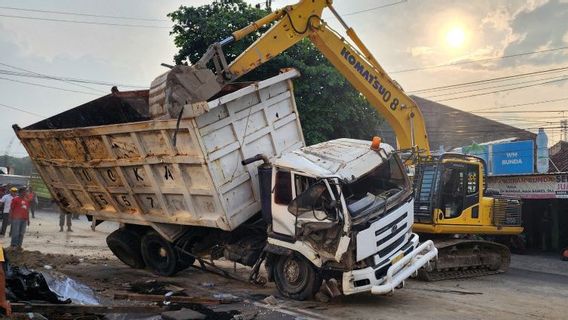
x: 20, y: 216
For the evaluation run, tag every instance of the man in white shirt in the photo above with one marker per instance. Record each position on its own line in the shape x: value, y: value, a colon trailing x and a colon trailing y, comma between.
x: 6, y: 200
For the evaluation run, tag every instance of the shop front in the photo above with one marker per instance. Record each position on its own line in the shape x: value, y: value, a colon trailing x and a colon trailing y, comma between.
x: 545, y: 207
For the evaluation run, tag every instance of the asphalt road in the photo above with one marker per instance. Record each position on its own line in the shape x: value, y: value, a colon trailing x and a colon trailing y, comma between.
x: 535, y: 287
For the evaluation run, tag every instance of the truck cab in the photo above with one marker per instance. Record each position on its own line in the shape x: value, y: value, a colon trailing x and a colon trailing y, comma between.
x: 345, y: 209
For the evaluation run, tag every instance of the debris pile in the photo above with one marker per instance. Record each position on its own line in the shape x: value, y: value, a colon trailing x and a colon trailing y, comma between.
x: 37, y: 260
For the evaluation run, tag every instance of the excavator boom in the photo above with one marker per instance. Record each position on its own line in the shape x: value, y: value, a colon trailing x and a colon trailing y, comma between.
x: 303, y: 20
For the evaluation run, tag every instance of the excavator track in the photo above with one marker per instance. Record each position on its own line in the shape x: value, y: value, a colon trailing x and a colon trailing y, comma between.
x: 458, y: 258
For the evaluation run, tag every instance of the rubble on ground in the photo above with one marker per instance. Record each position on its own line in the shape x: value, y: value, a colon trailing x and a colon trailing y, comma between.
x: 37, y: 260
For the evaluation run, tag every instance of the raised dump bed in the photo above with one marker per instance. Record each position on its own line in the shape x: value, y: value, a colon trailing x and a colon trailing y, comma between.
x: 108, y: 158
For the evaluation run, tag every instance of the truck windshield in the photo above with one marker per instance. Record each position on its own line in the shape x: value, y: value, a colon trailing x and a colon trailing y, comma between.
x: 373, y: 190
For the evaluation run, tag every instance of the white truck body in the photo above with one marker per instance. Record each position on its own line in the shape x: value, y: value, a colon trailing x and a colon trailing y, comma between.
x: 132, y: 172
x: 191, y: 187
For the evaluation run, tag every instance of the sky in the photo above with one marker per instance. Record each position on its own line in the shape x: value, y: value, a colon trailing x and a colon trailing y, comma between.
x: 422, y: 44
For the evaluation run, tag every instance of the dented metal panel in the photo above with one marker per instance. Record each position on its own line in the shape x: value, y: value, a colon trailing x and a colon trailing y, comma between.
x: 132, y: 172
x: 345, y: 158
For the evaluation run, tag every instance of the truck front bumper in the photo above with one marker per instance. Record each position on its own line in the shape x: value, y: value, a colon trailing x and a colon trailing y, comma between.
x: 400, y: 268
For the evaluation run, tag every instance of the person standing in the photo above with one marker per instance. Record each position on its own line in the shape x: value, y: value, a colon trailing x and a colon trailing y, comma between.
x: 20, y: 216
x: 63, y: 216
x: 32, y: 199
x: 6, y: 200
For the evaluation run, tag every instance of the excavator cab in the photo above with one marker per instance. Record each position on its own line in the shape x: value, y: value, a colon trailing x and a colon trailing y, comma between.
x: 450, y: 199
x: 449, y: 188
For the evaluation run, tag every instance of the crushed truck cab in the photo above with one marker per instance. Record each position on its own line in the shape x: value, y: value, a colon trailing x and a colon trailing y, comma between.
x: 232, y: 179
x: 348, y: 209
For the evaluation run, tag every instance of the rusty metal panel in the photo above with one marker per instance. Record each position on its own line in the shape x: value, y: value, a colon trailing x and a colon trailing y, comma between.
x: 132, y: 172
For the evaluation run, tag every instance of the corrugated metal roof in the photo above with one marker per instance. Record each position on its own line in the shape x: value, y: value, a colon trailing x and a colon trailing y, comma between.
x: 451, y: 128
x: 559, y: 157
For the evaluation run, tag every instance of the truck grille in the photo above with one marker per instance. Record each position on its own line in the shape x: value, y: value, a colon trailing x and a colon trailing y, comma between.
x: 506, y: 211
x: 386, y: 235
x: 385, y: 252
x: 393, y: 230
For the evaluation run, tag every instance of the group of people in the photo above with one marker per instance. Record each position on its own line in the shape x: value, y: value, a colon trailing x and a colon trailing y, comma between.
x: 16, y: 207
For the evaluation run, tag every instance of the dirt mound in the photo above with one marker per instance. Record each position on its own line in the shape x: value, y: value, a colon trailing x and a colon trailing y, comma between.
x: 36, y: 259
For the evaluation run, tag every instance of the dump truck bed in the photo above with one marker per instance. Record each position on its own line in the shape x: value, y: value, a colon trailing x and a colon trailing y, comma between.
x: 129, y: 170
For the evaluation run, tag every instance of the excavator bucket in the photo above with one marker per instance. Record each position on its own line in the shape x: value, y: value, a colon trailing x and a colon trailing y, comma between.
x: 182, y: 85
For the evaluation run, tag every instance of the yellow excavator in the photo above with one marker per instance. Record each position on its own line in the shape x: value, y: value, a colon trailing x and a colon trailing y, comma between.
x: 452, y: 205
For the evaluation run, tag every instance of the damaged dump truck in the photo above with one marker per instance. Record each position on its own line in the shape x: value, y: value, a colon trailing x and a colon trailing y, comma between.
x: 231, y: 178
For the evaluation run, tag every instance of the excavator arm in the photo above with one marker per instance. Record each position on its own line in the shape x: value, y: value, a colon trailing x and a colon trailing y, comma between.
x: 303, y: 20
x: 381, y: 91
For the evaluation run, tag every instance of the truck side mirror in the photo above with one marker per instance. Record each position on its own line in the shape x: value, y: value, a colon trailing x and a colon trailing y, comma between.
x: 306, y: 201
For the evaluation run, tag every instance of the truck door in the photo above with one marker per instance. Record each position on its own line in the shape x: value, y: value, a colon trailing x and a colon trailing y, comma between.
x: 472, y: 196
x: 460, y: 191
x: 452, y: 193
x: 318, y: 215
x: 283, y: 223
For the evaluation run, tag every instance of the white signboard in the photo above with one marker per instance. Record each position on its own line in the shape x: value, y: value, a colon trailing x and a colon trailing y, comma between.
x: 540, y: 186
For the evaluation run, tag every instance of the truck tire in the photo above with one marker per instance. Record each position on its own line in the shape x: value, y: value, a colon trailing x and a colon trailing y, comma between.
x: 160, y: 255
x: 125, y: 245
x: 296, y: 277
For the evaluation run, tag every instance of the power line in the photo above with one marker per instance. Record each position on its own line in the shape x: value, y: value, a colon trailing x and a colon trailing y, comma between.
x: 528, y: 111
x: 504, y: 90
x: 85, y: 22
x: 484, y: 81
x: 50, y: 77
x: 516, y: 130
x: 459, y: 112
x: 521, y: 104
x: 479, y: 60
x: 82, y: 14
x: 563, y: 77
x: 49, y: 87
x: 374, y: 8
x: 488, y: 126
x: 535, y: 120
x: 45, y: 77
x: 22, y: 110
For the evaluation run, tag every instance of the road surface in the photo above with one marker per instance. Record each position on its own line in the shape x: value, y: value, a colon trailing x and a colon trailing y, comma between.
x: 536, y: 287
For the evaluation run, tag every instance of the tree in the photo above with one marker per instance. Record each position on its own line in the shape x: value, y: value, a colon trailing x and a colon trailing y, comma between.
x: 329, y: 107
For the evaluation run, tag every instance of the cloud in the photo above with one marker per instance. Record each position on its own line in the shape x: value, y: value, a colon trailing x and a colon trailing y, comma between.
x: 497, y: 20
x: 421, y: 51
x: 538, y: 26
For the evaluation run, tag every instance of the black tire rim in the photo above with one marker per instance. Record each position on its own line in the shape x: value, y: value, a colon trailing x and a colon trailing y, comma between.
x: 160, y: 256
x: 295, y: 274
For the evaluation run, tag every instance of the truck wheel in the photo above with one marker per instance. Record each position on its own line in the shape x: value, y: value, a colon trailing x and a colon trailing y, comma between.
x: 125, y: 245
x: 185, y: 244
x: 159, y: 255
x: 296, y: 277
